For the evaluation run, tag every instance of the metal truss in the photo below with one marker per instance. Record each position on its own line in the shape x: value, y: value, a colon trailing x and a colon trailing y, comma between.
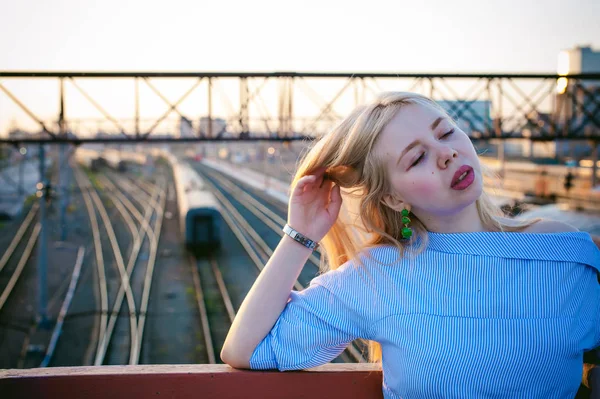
x: 538, y: 107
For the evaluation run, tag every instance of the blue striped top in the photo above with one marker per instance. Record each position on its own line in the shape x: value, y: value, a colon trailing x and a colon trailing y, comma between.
x: 476, y: 315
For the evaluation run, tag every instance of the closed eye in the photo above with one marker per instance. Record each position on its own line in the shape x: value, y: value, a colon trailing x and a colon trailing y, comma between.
x: 418, y: 160
x: 447, y: 134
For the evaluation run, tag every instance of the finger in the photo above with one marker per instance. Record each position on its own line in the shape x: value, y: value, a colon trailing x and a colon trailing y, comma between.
x: 303, y: 183
x: 323, y: 189
x: 305, y: 180
x: 323, y: 179
x: 318, y: 171
x: 335, y: 202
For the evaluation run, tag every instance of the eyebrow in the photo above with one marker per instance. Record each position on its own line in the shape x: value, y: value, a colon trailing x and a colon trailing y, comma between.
x: 407, y: 149
x: 436, y: 122
x: 416, y: 142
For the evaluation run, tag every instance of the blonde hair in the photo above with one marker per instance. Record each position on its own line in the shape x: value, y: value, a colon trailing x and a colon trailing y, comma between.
x: 346, y: 153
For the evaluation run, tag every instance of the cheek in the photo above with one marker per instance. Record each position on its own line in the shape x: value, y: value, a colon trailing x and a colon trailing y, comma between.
x: 418, y: 189
x: 424, y: 188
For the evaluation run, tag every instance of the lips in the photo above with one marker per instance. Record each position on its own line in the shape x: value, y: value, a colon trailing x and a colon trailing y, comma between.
x: 460, y: 182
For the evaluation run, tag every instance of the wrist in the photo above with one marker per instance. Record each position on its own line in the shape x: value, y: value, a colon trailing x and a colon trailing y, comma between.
x: 292, y: 248
x: 300, y: 238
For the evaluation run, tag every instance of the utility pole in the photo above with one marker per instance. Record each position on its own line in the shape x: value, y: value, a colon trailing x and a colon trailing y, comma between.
x: 42, y: 242
x: 62, y: 165
x: 21, y: 174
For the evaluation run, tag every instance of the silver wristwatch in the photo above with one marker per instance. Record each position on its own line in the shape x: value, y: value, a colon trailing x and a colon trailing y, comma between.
x: 302, y: 239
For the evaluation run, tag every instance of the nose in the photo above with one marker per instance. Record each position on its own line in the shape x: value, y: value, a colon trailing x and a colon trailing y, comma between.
x: 446, y: 156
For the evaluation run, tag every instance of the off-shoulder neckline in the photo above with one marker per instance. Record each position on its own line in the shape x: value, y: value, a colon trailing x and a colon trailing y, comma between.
x: 503, y: 233
x: 556, y: 246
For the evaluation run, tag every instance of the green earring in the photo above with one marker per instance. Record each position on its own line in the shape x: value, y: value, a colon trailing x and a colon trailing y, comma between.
x: 406, y: 231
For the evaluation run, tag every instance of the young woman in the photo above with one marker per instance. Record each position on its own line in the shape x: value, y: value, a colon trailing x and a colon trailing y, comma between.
x: 457, y: 301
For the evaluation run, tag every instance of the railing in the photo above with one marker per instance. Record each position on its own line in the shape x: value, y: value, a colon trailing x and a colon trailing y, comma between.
x: 192, y: 381
x: 205, y: 381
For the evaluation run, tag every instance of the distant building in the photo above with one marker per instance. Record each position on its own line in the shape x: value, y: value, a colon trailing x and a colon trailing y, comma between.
x: 185, y: 128
x: 218, y: 125
x: 16, y: 134
x: 576, y: 100
x: 472, y: 116
x: 579, y: 60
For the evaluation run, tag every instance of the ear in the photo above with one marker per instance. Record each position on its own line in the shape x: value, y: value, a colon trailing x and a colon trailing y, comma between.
x: 394, y: 202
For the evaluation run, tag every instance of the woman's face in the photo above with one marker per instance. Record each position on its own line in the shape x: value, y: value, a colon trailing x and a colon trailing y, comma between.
x: 431, y: 164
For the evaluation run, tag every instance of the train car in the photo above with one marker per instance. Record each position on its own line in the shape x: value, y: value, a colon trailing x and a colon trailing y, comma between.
x: 133, y: 158
x: 87, y: 158
x: 113, y: 160
x: 199, y: 211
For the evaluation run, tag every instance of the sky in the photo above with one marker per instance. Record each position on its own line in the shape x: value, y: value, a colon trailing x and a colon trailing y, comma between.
x: 311, y: 35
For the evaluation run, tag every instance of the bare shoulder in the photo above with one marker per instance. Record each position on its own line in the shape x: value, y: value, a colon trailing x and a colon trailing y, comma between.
x: 543, y: 226
x: 550, y: 226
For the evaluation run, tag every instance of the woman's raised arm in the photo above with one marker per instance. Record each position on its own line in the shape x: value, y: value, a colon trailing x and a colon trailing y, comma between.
x: 314, y: 206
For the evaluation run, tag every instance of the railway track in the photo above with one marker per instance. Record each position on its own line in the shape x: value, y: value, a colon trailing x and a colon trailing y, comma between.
x: 141, y: 227
x: 123, y: 277
x: 20, y: 247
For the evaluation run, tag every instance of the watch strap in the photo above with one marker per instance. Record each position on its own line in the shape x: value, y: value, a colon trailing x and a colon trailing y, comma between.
x: 299, y: 237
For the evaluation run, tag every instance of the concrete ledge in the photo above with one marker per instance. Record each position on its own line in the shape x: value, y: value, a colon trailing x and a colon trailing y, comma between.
x: 192, y: 381
x: 206, y: 381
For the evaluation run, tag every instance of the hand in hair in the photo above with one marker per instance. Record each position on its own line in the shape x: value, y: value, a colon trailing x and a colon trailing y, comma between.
x: 314, y: 205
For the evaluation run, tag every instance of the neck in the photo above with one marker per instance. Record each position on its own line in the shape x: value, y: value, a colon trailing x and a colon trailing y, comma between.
x: 464, y: 221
